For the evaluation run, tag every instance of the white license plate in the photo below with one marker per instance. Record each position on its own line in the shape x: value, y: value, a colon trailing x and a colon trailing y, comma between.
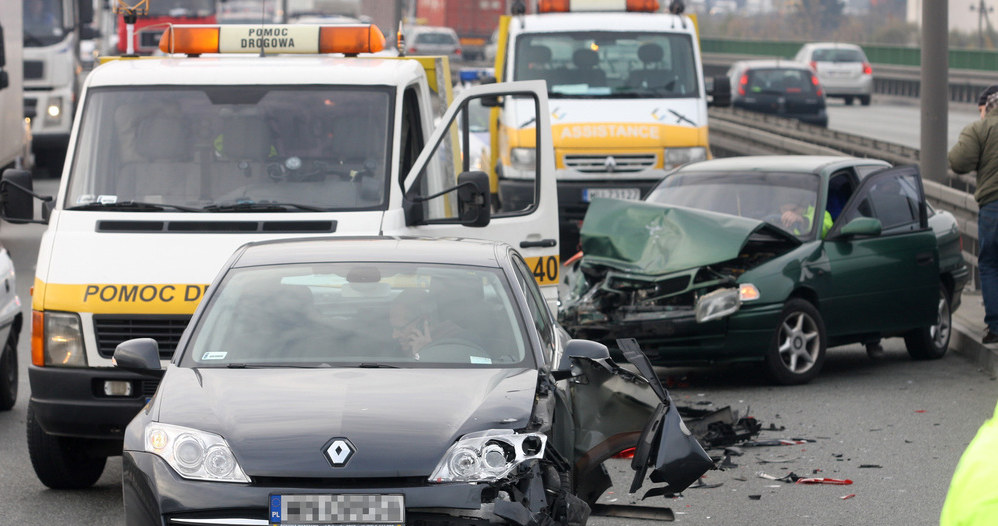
x: 337, y: 510
x: 615, y: 193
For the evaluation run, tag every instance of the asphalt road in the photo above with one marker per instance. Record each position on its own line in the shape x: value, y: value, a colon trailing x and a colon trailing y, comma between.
x: 912, y: 419
x: 895, y: 119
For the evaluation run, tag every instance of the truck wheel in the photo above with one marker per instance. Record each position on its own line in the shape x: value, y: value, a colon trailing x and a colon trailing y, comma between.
x: 848, y: 101
x: 930, y: 343
x: 797, y: 351
x: 864, y: 100
x: 61, y: 462
x: 8, y: 373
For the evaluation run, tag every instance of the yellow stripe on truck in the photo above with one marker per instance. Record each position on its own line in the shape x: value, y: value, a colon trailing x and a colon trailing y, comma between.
x: 118, y: 298
x: 626, y: 135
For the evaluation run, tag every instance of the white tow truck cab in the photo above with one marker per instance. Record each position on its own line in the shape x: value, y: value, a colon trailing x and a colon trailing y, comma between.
x: 175, y: 162
x: 628, y: 101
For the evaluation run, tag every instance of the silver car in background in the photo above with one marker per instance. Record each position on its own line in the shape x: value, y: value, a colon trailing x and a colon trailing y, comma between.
x: 428, y: 40
x: 842, y: 68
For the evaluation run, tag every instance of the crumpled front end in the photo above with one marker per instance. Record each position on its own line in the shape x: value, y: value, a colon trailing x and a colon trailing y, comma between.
x: 666, y: 275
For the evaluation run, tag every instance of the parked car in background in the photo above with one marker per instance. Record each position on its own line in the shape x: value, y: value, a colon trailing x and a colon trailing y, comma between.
x: 387, y: 381
x: 427, y: 40
x: 843, y: 69
x: 770, y: 259
x: 780, y: 87
x: 10, y: 331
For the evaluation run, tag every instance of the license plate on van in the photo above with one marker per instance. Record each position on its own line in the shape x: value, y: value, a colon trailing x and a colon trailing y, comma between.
x: 589, y: 194
x: 337, y: 510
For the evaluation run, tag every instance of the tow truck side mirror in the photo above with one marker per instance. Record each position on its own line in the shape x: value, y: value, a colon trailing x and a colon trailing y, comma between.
x: 576, y: 349
x: 473, y: 198
x: 138, y: 354
x: 16, y: 193
x: 720, y: 93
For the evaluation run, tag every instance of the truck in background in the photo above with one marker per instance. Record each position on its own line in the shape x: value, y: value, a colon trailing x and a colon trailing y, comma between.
x: 628, y: 101
x: 52, y: 67
x: 149, y: 27
x: 474, y: 21
x: 15, y: 134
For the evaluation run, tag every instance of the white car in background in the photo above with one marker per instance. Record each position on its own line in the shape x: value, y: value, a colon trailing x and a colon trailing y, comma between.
x: 10, y: 329
x: 843, y: 69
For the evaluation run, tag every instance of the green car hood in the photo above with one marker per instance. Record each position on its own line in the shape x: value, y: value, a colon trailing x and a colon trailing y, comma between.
x: 649, y: 238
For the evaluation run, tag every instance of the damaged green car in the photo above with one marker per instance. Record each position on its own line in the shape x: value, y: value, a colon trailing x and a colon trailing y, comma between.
x: 771, y: 259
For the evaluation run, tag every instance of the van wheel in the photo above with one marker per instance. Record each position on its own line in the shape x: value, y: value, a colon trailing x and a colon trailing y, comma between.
x: 848, y: 101
x: 864, y: 100
x: 930, y: 343
x: 61, y: 462
x: 797, y: 351
x: 8, y: 372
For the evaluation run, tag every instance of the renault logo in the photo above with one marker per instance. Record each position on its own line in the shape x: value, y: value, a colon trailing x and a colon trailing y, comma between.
x: 338, y: 451
x: 610, y: 164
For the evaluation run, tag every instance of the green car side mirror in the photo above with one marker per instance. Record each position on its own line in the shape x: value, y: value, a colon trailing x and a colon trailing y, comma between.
x: 861, y: 226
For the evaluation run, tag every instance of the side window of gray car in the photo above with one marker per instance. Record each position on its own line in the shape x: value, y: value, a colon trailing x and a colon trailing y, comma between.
x: 539, y: 313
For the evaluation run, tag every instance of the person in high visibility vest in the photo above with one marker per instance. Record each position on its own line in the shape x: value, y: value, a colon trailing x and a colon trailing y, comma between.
x: 972, y: 499
x: 797, y: 219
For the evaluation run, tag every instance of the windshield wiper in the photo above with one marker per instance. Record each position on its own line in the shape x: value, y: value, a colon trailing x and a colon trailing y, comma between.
x: 272, y: 365
x: 250, y: 206
x: 368, y: 365
x: 134, y: 206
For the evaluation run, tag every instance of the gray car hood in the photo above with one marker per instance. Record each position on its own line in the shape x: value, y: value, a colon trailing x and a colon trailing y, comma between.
x: 401, y: 421
x: 649, y: 238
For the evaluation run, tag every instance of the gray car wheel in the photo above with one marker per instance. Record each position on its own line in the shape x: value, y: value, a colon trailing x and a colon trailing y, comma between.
x: 930, y: 343
x: 798, y: 349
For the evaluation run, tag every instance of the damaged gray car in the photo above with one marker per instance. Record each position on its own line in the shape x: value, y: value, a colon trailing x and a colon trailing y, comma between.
x: 769, y: 259
x: 389, y: 381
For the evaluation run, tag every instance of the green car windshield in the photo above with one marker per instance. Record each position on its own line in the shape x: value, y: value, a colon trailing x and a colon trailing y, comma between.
x: 360, y: 315
x: 766, y: 196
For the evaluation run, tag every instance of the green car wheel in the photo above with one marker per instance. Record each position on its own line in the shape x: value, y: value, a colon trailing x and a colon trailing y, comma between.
x: 930, y: 343
x: 798, y: 348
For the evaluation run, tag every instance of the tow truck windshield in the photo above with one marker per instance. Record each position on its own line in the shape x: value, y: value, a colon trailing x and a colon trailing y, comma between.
x: 594, y: 64
x: 225, y: 148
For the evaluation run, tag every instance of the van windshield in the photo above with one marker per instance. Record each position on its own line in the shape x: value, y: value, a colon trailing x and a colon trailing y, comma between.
x: 217, y: 148
x: 594, y: 64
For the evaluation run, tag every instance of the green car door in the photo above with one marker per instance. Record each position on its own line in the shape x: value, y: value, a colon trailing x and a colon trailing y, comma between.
x: 881, y: 280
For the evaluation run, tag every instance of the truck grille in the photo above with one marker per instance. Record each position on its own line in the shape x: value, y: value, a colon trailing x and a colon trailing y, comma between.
x: 629, y: 163
x: 114, y: 329
x: 33, y: 69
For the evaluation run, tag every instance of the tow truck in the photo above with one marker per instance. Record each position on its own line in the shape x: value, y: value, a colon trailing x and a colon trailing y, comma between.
x: 176, y: 161
x: 628, y: 101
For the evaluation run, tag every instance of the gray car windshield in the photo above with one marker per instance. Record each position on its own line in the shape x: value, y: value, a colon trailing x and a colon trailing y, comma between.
x: 360, y: 315
x: 608, y: 64
x: 757, y: 195
x: 218, y: 149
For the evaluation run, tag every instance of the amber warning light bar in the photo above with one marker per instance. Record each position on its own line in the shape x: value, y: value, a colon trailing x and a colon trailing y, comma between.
x: 273, y: 39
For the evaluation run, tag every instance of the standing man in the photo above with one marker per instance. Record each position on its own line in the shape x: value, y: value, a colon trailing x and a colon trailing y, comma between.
x: 977, y: 149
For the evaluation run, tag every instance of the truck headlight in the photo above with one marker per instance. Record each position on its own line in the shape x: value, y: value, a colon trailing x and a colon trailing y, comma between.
x: 194, y: 454
x: 61, y: 341
x: 679, y: 156
x: 717, y: 304
x: 487, y: 456
x: 524, y: 158
x: 53, y: 113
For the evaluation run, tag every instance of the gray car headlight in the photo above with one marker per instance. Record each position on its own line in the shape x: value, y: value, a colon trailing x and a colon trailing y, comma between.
x: 679, y: 156
x: 487, y: 456
x: 63, y: 341
x: 194, y: 454
x: 717, y: 304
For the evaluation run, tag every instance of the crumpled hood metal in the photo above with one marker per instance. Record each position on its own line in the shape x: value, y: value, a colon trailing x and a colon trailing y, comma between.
x: 650, y: 238
x: 401, y: 421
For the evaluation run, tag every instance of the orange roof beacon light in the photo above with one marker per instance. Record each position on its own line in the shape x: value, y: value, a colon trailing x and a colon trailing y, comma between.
x: 272, y: 39
x: 564, y: 6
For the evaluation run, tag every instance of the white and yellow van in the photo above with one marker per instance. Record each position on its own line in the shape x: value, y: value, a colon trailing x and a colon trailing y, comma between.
x: 175, y: 162
x: 627, y: 97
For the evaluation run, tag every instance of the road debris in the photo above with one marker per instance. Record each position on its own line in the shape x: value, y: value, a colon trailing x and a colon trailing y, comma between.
x: 822, y: 480
x: 849, y: 496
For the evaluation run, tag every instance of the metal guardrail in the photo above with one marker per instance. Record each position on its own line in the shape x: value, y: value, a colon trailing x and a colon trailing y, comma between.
x: 739, y: 132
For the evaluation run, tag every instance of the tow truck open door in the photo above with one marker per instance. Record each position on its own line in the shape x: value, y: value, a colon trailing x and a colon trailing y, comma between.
x: 460, y: 146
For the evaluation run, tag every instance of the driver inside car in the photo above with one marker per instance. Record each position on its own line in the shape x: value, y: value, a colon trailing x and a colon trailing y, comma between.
x: 797, y: 218
x: 416, y: 326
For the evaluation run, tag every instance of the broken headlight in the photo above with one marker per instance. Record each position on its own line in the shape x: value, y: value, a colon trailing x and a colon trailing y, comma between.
x: 487, y: 456
x: 717, y: 304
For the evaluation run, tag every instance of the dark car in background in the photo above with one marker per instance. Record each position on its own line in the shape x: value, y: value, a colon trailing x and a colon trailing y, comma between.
x: 770, y: 259
x: 779, y: 87
x: 386, y: 381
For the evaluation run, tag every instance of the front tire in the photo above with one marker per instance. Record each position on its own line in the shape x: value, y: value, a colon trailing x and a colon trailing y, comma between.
x: 8, y: 372
x: 61, y: 462
x: 864, y: 100
x: 930, y: 343
x: 848, y: 101
x: 797, y: 351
